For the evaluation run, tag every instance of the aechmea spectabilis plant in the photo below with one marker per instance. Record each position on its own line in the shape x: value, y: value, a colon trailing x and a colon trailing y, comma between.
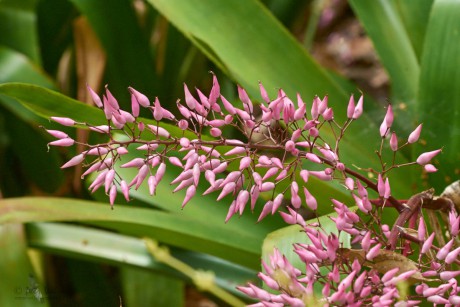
x: 283, y: 143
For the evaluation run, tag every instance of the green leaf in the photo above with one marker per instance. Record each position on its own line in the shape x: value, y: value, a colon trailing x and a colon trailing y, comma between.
x: 384, y: 25
x: 47, y: 103
x: 22, y: 287
x: 415, y: 15
x: 439, y: 94
x: 91, y: 244
x: 18, y: 27
x: 147, y: 288
x: 130, y: 61
x: 231, y: 243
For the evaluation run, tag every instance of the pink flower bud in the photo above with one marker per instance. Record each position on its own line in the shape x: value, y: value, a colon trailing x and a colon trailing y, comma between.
x: 58, y: 134
x: 215, y: 132
x: 228, y: 119
x: 65, y: 121
x: 267, y: 186
x: 310, y: 200
x: 182, y: 124
x: 313, y: 132
x: 100, y: 129
x: 191, y: 190
x: 125, y: 189
x: 242, y: 200
x: 136, y: 162
x: 159, y: 131
x: 277, y: 202
x: 96, y: 99
x: 389, y: 116
x: 255, y: 192
x: 314, y: 107
x: 112, y: 195
x: 263, y: 93
x: 426, y: 157
x: 421, y: 230
x: 109, y: 179
x: 415, y: 135
x: 359, y: 108
x: 394, y: 142
x: 373, y: 252
x: 328, y: 114
x: 135, y: 109
x: 351, y: 107
x: 312, y: 157
x: 430, y: 168
x: 62, y: 142
x: 383, y: 129
x: 141, y: 126
x: 157, y: 110
x: 141, y: 98
x: 387, y: 193
x: 381, y: 186
x: 350, y: 183
x: 235, y: 151
x: 74, y: 161
x: 228, y: 106
x: 152, y: 183
x: 143, y: 171
x: 245, y: 99
x: 304, y: 174
x: 245, y: 163
x: 127, y: 116
x: 161, y: 171
x: 442, y: 253
x: 228, y: 188
x: 427, y: 244
x: 321, y: 175
x: 266, y: 210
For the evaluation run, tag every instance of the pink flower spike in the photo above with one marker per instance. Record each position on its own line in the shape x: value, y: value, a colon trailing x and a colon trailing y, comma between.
x: 191, y: 190
x: 62, y: 142
x: 430, y: 168
x: 125, y: 189
x: 65, y: 121
x: 415, y: 135
x: 359, y: 108
x: 96, y: 99
x: 112, y: 195
x: 351, y: 107
x: 74, y: 161
x: 141, y: 98
x: 373, y: 252
x: 394, y: 142
x: 426, y: 157
x: 427, y: 244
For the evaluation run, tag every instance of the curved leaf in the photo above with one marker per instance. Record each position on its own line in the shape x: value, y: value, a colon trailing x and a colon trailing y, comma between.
x: 439, y: 95
x: 237, y: 245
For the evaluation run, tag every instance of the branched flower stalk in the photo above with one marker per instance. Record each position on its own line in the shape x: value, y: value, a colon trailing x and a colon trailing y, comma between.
x: 282, y: 145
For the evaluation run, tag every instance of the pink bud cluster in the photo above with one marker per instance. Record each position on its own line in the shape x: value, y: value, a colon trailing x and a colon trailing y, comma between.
x: 282, y: 145
x: 368, y: 274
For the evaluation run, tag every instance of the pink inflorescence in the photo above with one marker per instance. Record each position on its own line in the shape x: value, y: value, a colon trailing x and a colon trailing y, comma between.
x: 282, y: 145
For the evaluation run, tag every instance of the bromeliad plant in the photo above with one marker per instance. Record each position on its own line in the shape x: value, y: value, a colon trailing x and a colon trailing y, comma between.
x: 282, y: 145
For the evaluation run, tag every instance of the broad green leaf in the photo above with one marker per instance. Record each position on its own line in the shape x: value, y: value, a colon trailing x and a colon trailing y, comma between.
x: 148, y: 288
x: 47, y: 103
x: 414, y: 15
x: 231, y: 243
x: 130, y: 62
x: 20, y: 286
x: 439, y: 94
x: 126, y: 252
x: 18, y: 25
x: 384, y: 25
